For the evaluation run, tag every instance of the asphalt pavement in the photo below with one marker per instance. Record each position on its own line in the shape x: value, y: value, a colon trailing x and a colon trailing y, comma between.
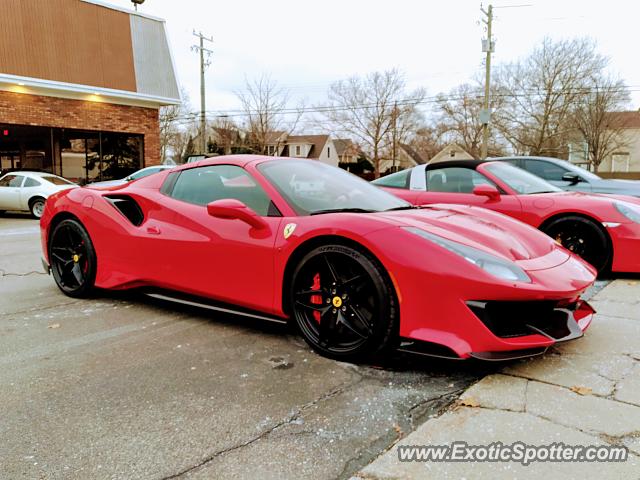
x: 122, y: 386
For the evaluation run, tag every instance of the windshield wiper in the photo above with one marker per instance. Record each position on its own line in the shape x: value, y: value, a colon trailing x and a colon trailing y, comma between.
x: 403, y: 207
x: 342, y: 210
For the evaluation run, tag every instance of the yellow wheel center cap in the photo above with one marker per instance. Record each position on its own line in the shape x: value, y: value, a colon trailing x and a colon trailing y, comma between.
x: 337, y: 302
x: 76, y: 258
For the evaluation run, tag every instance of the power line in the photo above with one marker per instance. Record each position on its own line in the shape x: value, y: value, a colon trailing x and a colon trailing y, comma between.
x: 190, y: 117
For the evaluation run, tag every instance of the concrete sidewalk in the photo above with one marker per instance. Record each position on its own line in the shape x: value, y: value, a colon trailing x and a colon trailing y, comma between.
x: 585, y: 392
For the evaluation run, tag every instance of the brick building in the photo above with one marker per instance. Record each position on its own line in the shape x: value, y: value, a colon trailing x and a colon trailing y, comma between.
x: 81, y: 83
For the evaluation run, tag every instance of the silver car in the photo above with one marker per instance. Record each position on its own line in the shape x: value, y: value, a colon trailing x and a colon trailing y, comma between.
x: 27, y: 191
x: 568, y: 176
x: 134, y: 176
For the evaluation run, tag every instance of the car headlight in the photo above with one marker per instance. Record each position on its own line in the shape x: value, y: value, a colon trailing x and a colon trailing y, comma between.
x: 498, y: 267
x: 628, y: 210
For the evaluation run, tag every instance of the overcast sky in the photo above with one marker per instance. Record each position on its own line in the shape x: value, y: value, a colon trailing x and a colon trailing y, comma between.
x: 307, y: 45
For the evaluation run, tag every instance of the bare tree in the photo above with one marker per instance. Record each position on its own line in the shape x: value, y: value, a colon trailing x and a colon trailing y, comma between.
x: 541, y: 91
x: 458, y: 118
x: 596, y: 121
x: 226, y: 134
x: 370, y: 108
x: 428, y: 140
x: 264, y: 104
x: 175, y: 122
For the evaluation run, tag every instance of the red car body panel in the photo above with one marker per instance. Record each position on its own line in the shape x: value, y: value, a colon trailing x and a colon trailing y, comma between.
x: 179, y: 246
x: 537, y: 209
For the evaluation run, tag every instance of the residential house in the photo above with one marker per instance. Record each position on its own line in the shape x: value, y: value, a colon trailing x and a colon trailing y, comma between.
x: 275, y: 143
x: 346, y: 150
x: 406, y: 157
x: 452, y: 151
x: 627, y: 157
x: 225, y: 139
x: 313, y: 147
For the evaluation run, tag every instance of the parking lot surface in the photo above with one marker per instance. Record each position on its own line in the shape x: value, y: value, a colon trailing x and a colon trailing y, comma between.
x: 123, y: 386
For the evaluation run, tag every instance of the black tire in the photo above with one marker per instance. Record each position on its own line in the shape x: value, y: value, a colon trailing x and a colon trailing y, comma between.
x: 36, y: 207
x: 583, y: 237
x: 343, y: 303
x: 72, y: 258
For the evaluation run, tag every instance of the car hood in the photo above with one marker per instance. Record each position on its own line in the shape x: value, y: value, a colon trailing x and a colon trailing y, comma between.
x: 604, y: 199
x: 618, y: 186
x: 482, y: 229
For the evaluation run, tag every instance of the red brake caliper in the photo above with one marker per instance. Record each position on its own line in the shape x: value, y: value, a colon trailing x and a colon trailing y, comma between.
x: 316, y: 299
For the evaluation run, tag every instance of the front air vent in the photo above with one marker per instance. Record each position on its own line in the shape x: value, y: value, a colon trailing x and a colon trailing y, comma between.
x: 128, y: 207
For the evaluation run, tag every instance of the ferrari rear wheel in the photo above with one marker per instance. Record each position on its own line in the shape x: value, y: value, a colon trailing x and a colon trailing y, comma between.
x: 343, y: 303
x: 72, y: 258
x: 584, y: 238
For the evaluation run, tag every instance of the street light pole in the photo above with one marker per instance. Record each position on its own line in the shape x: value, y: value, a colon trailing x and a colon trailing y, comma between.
x: 485, y: 115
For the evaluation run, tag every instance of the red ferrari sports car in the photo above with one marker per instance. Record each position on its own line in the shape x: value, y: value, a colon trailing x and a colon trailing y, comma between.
x: 359, y: 270
x: 602, y: 229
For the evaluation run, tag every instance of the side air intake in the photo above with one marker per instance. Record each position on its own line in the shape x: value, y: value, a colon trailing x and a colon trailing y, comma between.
x: 128, y: 207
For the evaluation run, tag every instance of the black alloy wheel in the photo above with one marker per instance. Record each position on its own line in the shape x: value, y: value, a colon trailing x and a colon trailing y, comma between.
x: 343, y: 303
x: 72, y: 258
x: 584, y: 238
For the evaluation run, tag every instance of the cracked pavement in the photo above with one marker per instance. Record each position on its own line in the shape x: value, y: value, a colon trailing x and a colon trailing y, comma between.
x: 585, y: 392
x: 126, y: 387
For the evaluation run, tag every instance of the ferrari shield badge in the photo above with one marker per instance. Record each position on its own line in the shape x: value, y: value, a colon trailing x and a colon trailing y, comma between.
x: 289, y: 228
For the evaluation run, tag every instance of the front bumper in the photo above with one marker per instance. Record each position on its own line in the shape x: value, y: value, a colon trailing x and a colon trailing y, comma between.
x: 45, y: 266
x: 436, y: 318
x: 553, y: 320
x: 626, y: 243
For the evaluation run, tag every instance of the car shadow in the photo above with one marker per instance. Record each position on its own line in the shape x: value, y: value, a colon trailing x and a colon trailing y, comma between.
x: 18, y: 215
x: 391, y: 361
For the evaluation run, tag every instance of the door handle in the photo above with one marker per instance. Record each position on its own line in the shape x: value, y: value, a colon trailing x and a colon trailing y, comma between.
x: 153, y: 230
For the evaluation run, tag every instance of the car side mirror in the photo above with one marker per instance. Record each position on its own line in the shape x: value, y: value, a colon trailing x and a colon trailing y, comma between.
x: 572, y: 178
x: 232, y: 209
x: 489, y: 191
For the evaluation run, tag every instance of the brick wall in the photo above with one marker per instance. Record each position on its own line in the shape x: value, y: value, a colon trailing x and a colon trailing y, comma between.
x: 36, y: 110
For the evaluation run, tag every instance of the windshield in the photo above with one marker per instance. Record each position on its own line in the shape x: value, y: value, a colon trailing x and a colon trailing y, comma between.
x: 313, y: 187
x: 144, y: 173
x: 521, y: 181
x: 56, y: 180
x: 584, y: 173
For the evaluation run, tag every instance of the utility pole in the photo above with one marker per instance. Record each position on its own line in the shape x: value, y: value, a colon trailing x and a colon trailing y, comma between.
x: 394, y: 136
x: 205, y: 54
x: 487, y: 46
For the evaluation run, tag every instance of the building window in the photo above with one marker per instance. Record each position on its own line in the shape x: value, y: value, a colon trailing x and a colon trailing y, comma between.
x: 271, y: 150
x: 620, y: 162
x: 298, y: 150
x: 329, y: 152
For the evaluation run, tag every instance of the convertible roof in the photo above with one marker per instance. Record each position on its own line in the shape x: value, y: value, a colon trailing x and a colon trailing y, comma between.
x: 456, y: 163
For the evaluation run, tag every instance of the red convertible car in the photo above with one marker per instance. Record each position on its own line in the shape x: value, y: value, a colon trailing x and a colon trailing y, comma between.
x: 602, y: 229
x: 359, y: 270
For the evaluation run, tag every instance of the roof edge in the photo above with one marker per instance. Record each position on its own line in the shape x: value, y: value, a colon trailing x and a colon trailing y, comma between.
x: 52, y: 88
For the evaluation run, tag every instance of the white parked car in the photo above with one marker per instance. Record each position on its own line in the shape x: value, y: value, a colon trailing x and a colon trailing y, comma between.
x: 27, y: 191
x: 144, y: 172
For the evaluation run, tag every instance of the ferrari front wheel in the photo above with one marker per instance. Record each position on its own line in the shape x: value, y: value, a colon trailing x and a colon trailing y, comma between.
x: 343, y: 302
x: 72, y: 258
x: 584, y: 238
